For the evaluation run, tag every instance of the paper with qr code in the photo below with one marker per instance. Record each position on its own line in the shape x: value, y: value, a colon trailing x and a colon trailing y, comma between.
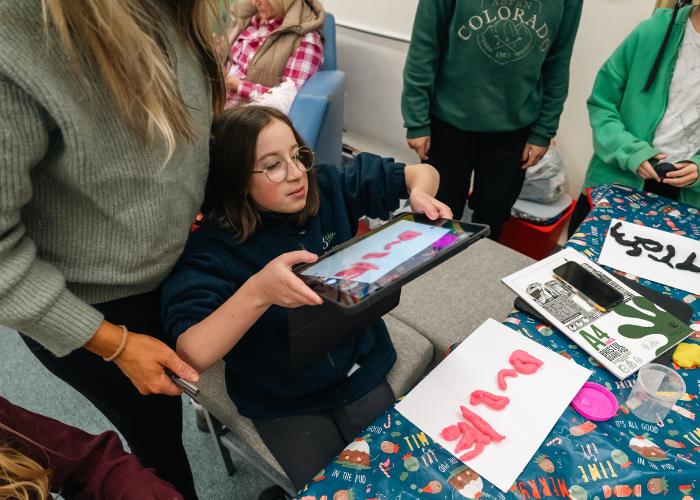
x: 661, y: 256
x: 623, y: 339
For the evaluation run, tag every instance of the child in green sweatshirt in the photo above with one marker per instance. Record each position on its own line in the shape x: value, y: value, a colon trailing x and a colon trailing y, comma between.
x: 645, y: 108
x: 484, y: 86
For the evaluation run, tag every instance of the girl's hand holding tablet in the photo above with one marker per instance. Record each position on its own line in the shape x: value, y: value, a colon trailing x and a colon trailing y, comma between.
x: 276, y: 284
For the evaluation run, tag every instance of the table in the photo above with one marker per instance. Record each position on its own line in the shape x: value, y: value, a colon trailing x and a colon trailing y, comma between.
x: 623, y: 457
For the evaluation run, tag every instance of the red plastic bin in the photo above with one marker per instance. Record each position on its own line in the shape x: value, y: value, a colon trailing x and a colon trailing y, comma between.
x: 533, y: 240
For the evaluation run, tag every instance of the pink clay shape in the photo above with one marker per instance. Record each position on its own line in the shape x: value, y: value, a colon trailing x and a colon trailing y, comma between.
x: 480, y: 424
x: 450, y: 433
x: 491, y: 400
x: 502, y: 374
x: 473, y: 453
x: 524, y: 368
x: 524, y: 357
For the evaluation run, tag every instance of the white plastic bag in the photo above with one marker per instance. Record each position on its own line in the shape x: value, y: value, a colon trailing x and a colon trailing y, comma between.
x: 279, y: 97
x: 545, y: 181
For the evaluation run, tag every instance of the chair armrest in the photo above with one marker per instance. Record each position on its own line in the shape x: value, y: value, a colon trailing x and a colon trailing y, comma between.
x: 309, y: 107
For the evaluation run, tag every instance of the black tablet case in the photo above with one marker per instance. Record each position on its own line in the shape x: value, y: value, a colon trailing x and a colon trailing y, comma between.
x: 316, y: 330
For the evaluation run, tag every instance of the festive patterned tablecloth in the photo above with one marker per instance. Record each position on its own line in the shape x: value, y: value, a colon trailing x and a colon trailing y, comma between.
x: 623, y: 457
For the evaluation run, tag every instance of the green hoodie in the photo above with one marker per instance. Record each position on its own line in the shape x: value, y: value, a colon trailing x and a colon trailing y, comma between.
x: 624, y: 117
x: 490, y: 65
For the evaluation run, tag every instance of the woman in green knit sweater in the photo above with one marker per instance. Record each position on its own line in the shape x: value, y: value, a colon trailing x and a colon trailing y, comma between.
x: 645, y: 109
x: 105, y: 113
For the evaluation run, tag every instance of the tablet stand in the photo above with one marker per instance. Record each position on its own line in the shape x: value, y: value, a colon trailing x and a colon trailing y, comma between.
x: 316, y: 330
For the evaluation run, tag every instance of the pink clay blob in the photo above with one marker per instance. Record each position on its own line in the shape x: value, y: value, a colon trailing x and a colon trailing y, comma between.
x: 502, y: 374
x: 491, y: 400
x: 480, y: 424
x: 524, y: 362
x: 450, y: 433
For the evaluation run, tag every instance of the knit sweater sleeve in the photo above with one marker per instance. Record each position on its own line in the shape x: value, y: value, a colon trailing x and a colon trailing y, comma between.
x: 555, y: 76
x: 430, y: 28
x: 33, y: 294
x: 612, y: 142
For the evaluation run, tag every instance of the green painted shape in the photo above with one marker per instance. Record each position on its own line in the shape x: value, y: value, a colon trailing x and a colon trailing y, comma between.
x: 663, y: 323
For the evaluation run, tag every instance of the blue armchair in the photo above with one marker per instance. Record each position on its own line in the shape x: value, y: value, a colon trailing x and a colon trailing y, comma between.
x: 319, y: 108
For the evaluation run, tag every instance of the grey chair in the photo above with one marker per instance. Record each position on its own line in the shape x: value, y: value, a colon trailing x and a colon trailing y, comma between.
x: 234, y: 434
x: 452, y: 300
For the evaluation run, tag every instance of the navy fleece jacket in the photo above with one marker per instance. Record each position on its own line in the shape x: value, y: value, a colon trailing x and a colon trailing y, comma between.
x: 259, y: 377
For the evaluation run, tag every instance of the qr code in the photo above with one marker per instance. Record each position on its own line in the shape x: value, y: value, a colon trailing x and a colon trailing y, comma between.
x: 614, y: 352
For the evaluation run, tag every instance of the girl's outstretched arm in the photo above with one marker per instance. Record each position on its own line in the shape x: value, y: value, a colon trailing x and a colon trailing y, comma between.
x: 422, y: 181
x: 208, y: 340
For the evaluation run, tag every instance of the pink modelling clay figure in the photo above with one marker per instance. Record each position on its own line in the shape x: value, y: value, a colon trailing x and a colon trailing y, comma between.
x: 524, y: 363
x: 480, y: 424
x: 481, y: 441
x: 525, y: 357
x: 450, y: 433
x: 502, y: 374
x: 491, y: 400
x: 469, y: 437
x: 524, y: 368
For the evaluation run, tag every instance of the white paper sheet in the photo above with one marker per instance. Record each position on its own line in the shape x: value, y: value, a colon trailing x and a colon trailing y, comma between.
x: 536, y: 401
x: 399, y: 251
x: 615, y: 255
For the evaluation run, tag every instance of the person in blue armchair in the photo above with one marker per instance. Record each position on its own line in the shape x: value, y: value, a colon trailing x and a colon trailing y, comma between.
x: 272, y: 43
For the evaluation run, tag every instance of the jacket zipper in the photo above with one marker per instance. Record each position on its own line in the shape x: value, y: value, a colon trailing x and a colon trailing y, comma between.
x: 335, y: 372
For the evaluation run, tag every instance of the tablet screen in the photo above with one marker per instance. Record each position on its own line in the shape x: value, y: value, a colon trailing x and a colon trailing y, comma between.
x: 363, y: 266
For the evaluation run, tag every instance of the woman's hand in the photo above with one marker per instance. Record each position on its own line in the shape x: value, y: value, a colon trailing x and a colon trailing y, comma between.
x: 422, y: 203
x: 276, y: 284
x: 646, y: 171
x: 421, y: 145
x: 531, y: 155
x: 686, y: 173
x: 144, y: 361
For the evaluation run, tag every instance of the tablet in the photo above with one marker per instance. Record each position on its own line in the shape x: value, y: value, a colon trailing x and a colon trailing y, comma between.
x: 364, y: 270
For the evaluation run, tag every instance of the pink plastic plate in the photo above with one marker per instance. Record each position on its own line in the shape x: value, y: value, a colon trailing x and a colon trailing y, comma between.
x: 595, y: 402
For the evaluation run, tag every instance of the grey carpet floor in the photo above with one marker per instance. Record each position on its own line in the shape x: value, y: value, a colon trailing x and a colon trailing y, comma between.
x: 25, y: 382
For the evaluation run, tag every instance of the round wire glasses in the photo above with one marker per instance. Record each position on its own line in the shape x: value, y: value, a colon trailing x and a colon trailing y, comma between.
x: 277, y: 168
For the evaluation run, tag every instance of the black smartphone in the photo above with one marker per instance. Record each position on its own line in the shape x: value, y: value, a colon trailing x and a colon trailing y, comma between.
x: 588, y: 284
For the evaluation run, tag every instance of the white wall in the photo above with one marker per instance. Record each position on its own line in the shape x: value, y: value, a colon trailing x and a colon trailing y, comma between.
x: 390, y: 16
x: 374, y: 68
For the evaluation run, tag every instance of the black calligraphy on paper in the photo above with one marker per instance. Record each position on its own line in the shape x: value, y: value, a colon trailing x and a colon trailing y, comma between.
x: 637, y: 244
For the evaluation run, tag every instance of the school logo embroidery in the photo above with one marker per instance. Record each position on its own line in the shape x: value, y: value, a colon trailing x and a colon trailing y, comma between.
x: 508, y: 30
x: 327, y: 239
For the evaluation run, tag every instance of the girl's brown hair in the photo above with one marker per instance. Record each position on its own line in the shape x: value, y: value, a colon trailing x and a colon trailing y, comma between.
x: 124, y: 42
x: 227, y: 201
x: 21, y: 477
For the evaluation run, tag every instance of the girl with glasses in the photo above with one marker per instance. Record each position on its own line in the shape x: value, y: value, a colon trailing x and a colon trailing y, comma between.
x: 268, y: 207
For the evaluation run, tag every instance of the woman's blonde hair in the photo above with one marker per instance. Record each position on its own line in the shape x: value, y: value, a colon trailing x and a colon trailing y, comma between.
x: 282, y: 6
x: 21, y: 477
x: 124, y: 42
